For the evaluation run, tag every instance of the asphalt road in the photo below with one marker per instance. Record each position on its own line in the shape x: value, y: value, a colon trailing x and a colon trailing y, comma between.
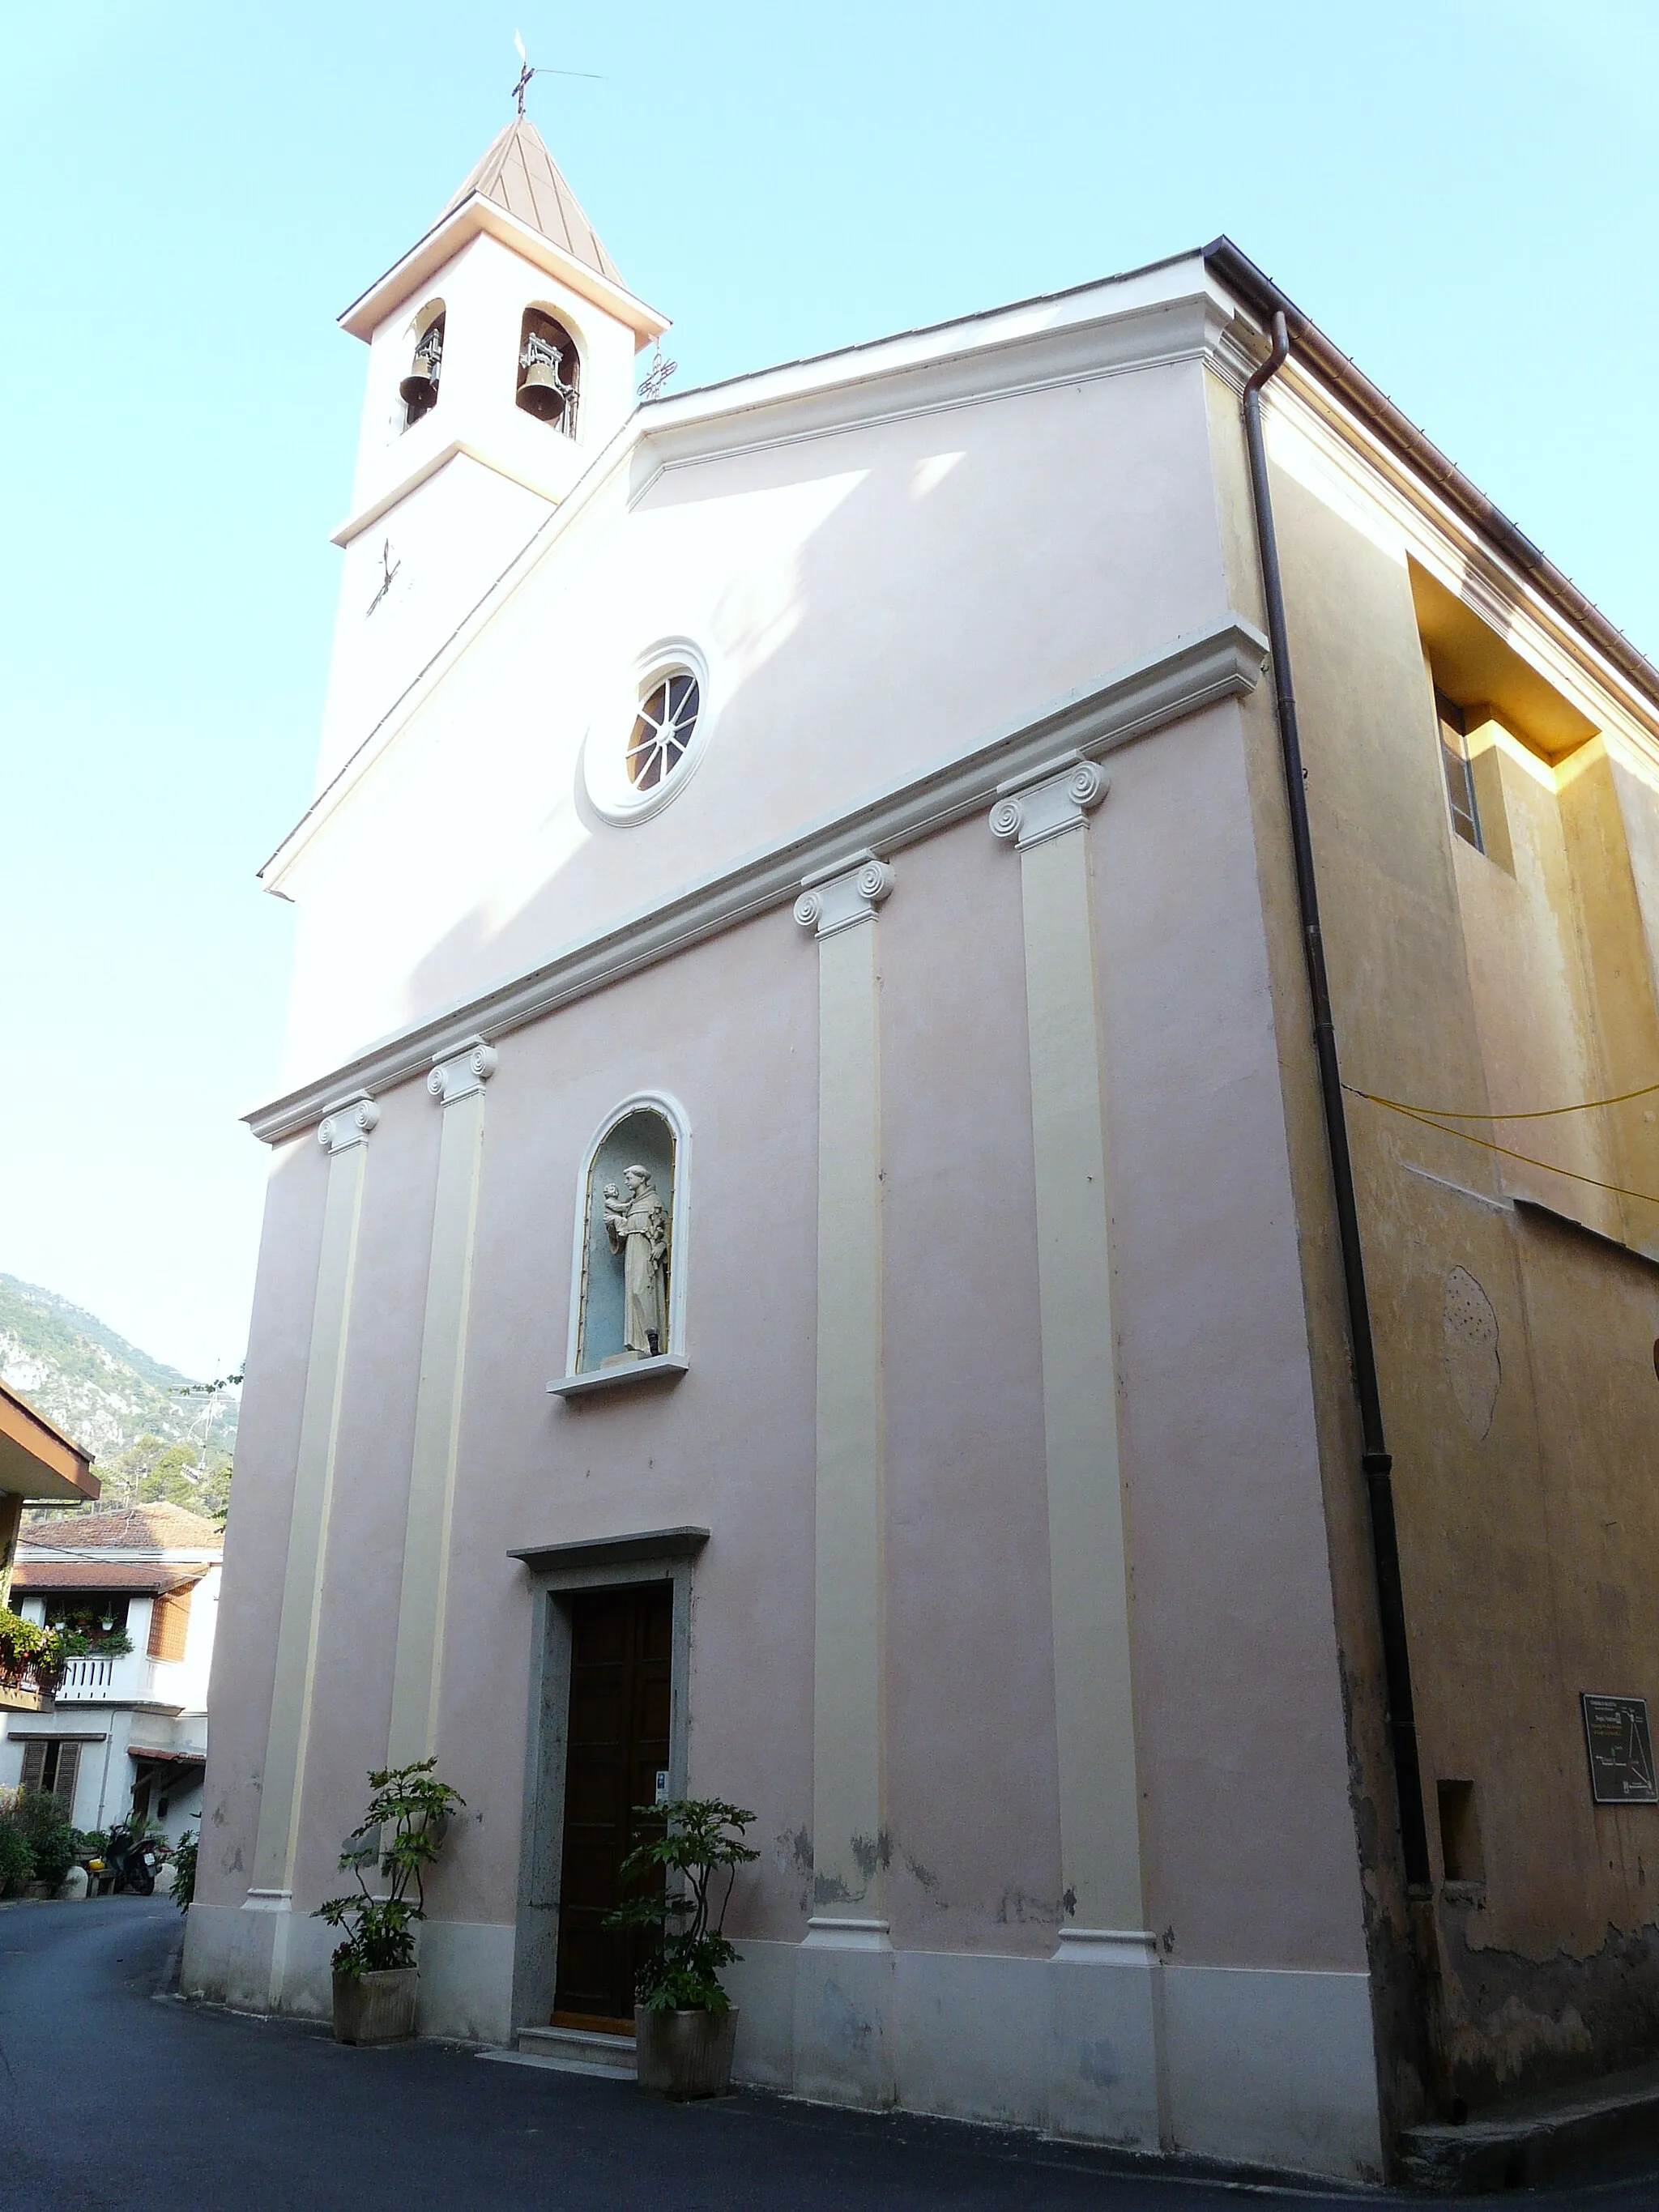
x: 113, y: 2098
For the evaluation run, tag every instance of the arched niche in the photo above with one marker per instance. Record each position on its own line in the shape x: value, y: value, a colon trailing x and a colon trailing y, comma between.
x: 639, y: 1162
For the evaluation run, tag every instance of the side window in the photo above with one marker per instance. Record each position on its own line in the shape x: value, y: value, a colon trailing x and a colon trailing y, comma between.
x: 629, y: 1290
x: 419, y: 389
x: 550, y: 371
x: 1460, y: 776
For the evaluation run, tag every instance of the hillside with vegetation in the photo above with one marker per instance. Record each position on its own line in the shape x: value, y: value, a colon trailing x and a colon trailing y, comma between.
x: 155, y: 1435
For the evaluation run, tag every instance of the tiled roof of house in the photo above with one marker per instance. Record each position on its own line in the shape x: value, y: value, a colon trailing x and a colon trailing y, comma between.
x: 141, y: 1575
x: 520, y: 174
x: 133, y: 1528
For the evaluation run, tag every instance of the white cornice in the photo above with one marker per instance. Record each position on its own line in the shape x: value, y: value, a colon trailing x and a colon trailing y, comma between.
x: 445, y: 240
x: 1222, y: 661
x: 457, y: 448
x: 1001, y: 358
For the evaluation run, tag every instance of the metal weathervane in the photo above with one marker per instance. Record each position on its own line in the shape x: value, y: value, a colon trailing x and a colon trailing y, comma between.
x: 525, y: 73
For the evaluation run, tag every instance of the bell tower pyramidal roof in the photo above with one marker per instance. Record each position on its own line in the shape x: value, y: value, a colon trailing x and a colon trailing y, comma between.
x: 519, y: 173
x: 516, y: 195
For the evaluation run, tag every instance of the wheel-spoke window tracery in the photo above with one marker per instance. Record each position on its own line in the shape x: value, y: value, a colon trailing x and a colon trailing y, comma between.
x: 663, y: 729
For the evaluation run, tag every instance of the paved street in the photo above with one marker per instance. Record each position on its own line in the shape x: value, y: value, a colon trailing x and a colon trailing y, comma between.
x: 114, y: 2099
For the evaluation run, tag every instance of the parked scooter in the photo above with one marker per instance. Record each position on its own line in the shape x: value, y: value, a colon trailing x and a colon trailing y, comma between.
x: 131, y: 1863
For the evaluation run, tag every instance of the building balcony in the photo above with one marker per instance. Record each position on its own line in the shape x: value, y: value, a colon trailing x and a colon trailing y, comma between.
x: 132, y: 1679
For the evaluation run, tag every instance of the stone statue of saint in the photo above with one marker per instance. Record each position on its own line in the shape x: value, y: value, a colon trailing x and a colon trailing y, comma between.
x: 637, y: 1224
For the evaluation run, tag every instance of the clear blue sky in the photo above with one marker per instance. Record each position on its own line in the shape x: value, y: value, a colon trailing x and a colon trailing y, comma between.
x: 1459, y: 192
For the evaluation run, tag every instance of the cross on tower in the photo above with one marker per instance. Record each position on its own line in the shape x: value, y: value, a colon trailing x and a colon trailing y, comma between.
x: 525, y: 73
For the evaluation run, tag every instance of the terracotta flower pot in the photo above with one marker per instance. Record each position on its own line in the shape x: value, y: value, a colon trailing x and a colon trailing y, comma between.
x: 377, y: 2007
x: 684, y: 2054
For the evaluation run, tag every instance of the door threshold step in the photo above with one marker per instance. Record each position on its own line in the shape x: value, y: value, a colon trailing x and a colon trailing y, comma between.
x: 582, y: 2049
x: 561, y: 2065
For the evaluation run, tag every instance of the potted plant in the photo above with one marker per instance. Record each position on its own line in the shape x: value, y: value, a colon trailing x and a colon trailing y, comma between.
x: 375, y: 1977
x: 31, y: 1658
x: 684, y: 2024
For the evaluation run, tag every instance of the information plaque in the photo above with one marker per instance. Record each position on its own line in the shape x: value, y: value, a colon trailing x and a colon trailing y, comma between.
x: 1621, y: 1750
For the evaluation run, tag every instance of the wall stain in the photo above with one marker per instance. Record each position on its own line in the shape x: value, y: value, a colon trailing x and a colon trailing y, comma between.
x: 929, y: 1881
x: 1097, y: 2063
x: 1515, y: 2025
x: 1017, y: 1909
x: 870, y: 1852
x: 1469, y: 1328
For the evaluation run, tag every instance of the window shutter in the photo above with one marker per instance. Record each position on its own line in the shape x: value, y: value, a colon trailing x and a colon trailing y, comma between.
x: 34, y: 1762
x: 68, y: 1767
x: 169, y: 1624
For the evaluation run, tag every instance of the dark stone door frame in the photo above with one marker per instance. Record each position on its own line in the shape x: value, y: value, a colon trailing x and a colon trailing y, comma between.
x: 557, y: 1571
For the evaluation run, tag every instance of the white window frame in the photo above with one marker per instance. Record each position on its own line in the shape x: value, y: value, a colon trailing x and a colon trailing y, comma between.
x: 604, y: 770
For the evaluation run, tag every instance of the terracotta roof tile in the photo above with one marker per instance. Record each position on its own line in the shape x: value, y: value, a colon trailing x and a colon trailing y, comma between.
x: 520, y: 174
x: 152, y: 1575
x: 133, y: 1528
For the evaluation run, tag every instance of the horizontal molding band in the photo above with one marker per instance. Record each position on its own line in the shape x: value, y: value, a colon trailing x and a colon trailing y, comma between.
x: 1222, y: 661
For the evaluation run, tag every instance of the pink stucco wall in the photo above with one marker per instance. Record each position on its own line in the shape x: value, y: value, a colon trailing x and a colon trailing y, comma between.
x: 915, y: 616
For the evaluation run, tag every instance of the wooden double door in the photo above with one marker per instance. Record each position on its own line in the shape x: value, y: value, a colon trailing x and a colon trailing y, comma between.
x: 616, y: 1746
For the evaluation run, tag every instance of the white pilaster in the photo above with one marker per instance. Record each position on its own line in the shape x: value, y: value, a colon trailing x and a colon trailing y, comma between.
x: 1107, y: 2070
x: 458, y: 1083
x: 843, y: 2035
x: 343, y: 1134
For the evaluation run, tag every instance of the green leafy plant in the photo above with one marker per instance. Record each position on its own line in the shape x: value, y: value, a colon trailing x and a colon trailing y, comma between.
x: 31, y: 1658
x: 403, y: 1832
x: 16, y: 1860
x: 703, y: 1838
x: 52, y: 1845
x: 91, y: 1643
x: 184, y: 1869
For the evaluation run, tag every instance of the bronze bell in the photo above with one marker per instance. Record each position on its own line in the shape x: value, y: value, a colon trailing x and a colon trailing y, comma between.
x: 543, y: 393
x: 419, y: 391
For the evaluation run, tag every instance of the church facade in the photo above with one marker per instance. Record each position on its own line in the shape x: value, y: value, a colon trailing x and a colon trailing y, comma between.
x: 801, y: 1260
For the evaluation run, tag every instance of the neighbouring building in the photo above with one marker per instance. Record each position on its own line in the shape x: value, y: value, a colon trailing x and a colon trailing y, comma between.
x: 38, y: 1465
x: 807, y: 1259
x: 127, y: 1730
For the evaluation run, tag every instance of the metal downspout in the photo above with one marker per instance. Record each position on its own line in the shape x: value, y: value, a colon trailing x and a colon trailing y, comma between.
x: 1374, y: 1460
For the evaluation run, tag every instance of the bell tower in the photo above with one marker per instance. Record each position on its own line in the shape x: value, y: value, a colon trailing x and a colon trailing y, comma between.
x: 500, y: 362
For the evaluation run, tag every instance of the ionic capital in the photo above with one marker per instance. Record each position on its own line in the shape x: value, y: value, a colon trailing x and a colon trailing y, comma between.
x: 1048, y: 801
x: 458, y: 1074
x: 836, y: 898
x: 349, y: 1121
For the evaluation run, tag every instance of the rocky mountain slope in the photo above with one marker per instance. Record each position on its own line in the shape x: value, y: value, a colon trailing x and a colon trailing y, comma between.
x: 96, y: 1387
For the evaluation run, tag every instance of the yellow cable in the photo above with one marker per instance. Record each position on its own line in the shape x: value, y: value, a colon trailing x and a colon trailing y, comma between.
x: 1542, y: 1113
x: 1414, y: 1113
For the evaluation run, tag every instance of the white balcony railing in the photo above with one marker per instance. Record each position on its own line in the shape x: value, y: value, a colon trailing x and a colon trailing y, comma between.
x: 132, y: 1679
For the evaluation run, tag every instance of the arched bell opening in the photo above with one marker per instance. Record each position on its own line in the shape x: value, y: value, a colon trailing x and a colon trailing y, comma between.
x: 419, y: 389
x: 550, y: 371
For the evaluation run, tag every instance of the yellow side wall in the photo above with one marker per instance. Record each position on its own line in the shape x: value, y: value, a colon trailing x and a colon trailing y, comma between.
x: 1515, y: 1346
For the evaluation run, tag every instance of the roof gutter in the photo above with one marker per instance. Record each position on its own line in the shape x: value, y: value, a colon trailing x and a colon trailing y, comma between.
x: 1241, y: 277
